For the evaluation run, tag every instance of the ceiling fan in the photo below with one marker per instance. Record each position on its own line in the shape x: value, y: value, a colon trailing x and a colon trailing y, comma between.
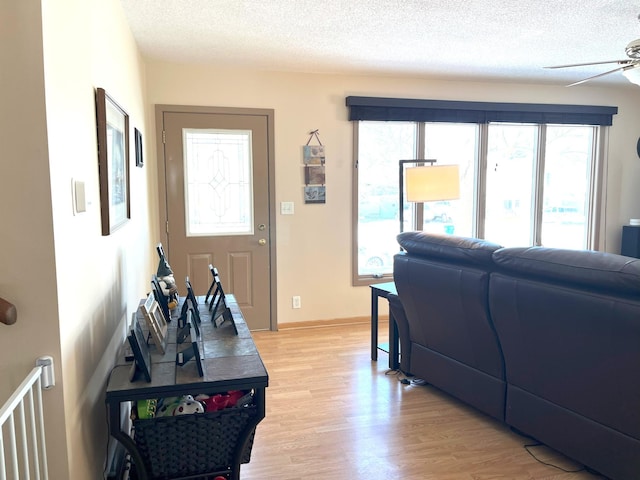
x: 630, y: 67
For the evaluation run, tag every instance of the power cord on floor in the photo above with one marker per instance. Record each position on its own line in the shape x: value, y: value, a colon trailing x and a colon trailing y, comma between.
x: 403, y: 378
x: 527, y: 447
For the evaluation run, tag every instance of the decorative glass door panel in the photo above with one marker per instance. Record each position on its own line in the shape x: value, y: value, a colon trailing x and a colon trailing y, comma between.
x: 218, y: 182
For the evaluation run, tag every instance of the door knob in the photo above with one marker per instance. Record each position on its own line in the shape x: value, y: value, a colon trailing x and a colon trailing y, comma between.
x: 262, y: 241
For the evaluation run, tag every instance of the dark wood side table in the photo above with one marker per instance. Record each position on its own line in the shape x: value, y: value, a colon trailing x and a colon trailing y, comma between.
x: 383, y: 290
x: 230, y: 362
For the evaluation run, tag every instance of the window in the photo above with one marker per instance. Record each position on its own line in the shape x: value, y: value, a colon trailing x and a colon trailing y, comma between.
x: 510, y: 184
x: 380, y: 147
x: 522, y: 182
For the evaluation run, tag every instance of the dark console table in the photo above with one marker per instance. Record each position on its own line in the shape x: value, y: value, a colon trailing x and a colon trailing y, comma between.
x: 229, y: 362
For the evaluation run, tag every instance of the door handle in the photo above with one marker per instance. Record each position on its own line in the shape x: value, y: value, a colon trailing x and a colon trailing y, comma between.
x: 262, y: 242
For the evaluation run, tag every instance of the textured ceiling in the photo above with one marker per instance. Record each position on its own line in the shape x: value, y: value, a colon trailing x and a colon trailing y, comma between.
x: 480, y: 39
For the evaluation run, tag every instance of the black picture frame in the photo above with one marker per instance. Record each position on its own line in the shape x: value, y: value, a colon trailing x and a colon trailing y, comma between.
x: 113, y: 162
x: 141, y: 354
x: 138, y: 146
x: 191, y: 351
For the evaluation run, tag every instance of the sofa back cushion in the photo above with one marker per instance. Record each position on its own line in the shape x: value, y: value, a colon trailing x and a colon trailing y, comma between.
x: 593, y: 270
x: 442, y: 282
x: 449, y: 248
x: 569, y: 326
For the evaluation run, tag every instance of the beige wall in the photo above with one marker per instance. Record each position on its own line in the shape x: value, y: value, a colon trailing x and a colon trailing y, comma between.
x: 100, y: 278
x: 27, y: 257
x: 314, y: 245
x: 74, y: 289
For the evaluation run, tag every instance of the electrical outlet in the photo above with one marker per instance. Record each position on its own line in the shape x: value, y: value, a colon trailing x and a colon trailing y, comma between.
x: 295, y: 302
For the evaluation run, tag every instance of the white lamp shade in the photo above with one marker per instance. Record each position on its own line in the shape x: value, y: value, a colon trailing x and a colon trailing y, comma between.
x: 432, y: 183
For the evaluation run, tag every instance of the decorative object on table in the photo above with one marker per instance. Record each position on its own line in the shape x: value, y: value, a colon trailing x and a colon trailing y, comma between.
x: 156, y: 323
x: 314, y: 170
x: 113, y: 162
x: 160, y: 297
x: 166, y: 280
x: 142, y: 358
x: 187, y: 326
x: 218, y: 301
x: 191, y: 301
x: 191, y: 351
x: 211, y: 292
x: 426, y: 183
x: 189, y: 311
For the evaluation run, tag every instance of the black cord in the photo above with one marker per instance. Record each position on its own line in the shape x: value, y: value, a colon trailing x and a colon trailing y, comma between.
x: 530, y: 445
x: 402, y: 377
x: 397, y: 373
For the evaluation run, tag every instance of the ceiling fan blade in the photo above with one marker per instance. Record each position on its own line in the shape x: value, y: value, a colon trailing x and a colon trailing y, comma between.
x: 599, y: 75
x: 619, y: 62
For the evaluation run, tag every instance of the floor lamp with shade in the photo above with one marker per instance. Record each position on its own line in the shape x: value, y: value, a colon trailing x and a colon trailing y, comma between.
x: 427, y: 183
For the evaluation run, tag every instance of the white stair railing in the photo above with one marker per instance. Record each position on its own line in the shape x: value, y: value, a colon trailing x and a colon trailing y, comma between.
x: 24, y: 455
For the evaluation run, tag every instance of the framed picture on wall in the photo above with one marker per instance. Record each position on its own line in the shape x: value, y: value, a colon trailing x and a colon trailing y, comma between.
x: 113, y: 162
x: 138, y: 144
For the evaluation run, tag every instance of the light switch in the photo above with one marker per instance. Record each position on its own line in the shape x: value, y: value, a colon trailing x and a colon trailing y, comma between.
x: 79, y: 196
x: 286, y: 208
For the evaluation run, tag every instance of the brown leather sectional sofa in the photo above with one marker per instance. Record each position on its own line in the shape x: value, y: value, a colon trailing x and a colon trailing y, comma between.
x: 545, y: 340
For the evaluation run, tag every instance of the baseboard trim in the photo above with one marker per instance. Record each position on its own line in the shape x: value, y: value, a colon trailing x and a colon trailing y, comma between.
x: 332, y: 322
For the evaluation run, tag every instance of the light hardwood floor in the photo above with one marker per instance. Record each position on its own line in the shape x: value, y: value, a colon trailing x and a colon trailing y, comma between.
x: 334, y: 414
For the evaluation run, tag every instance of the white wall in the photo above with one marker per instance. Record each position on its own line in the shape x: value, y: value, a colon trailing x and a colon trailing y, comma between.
x: 314, y: 245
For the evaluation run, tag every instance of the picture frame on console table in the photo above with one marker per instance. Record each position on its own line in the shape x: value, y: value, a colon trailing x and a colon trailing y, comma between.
x: 141, y: 355
x: 191, y: 350
x: 156, y: 323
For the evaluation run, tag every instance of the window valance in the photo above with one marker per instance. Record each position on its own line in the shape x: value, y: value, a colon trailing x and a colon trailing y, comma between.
x: 415, y: 110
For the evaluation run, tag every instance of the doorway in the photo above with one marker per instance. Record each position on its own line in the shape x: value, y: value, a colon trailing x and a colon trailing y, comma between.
x: 216, y: 186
